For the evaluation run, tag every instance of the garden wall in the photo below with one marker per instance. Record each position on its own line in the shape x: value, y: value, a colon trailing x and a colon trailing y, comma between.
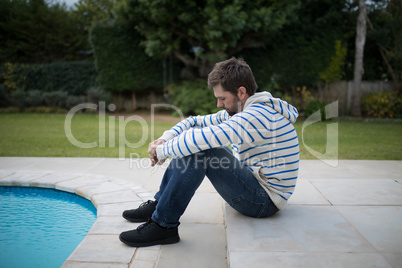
x: 342, y: 91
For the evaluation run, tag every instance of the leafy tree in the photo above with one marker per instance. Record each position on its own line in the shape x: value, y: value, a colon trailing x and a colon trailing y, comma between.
x: 335, y: 71
x: 306, y: 46
x: 94, y: 10
x: 199, y: 33
x: 384, y: 36
x: 34, y: 32
x: 88, y: 12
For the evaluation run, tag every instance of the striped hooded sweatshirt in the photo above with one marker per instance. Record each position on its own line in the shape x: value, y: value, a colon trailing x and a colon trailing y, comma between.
x: 262, y: 137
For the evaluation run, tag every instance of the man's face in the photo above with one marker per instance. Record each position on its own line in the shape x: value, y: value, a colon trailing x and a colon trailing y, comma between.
x: 227, y: 100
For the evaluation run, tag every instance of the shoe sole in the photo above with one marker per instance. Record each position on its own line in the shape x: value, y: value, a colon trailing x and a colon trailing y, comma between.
x: 170, y: 240
x: 135, y: 220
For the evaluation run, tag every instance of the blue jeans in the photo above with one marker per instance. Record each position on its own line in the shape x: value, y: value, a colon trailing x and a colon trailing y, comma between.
x: 232, y: 180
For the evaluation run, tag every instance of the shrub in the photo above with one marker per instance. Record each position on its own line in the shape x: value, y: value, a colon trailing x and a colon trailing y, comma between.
x: 4, y: 98
x: 55, y: 99
x: 33, y: 98
x: 193, y: 98
x: 73, y: 101
x: 314, y: 106
x: 18, y: 98
x: 10, y: 110
x: 95, y: 95
x: 45, y: 110
x: 382, y: 105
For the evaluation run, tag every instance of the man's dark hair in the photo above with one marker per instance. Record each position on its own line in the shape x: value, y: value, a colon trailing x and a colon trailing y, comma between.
x: 232, y: 74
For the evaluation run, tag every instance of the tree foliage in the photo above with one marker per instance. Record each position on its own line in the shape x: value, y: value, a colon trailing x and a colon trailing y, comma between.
x: 334, y: 71
x: 304, y: 47
x: 89, y: 12
x: 199, y: 33
x: 384, y: 41
x: 288, y: 44
x: 36, y: 32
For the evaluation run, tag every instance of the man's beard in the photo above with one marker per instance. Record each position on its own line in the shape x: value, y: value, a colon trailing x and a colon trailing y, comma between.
x: 231, y: 112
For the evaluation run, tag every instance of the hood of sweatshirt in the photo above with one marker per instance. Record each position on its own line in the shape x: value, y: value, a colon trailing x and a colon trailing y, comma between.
x: 281, y: 106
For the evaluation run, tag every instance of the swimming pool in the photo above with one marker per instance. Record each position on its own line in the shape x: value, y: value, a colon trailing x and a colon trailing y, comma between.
x: 41, y: 227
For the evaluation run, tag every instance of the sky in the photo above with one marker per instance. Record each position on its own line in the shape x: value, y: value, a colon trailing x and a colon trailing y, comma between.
x: 69, y: 3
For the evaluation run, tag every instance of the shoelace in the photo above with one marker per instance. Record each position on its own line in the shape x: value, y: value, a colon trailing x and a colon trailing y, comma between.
x: 145, y: 203
x: 144, y: 225
x: 149, y: 221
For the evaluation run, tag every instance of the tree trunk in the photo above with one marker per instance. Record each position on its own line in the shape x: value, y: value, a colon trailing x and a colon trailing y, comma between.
x: 382, y: 51
x: 358, y: 69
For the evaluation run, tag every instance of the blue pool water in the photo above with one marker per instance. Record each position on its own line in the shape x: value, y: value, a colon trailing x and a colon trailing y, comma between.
x: 41, y: 227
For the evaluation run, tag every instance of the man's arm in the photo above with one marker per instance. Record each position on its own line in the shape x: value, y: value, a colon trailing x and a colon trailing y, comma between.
x: 196, y: 121
x: 233, y: 131
x: 180, y: 128
x: 152, y: 152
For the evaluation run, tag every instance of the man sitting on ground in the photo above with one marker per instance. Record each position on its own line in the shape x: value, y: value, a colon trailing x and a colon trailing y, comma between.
x: 255, y: 176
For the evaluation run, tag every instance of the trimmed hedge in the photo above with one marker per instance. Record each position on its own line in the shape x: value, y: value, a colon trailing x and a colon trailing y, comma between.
x: 74, y: 78
x: 120, y: 61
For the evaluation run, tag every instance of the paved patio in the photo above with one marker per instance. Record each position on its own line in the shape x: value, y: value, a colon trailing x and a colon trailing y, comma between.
x: 348, y: 216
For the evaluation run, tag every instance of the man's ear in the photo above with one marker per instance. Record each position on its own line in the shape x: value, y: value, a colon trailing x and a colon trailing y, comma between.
x: 242, y: 93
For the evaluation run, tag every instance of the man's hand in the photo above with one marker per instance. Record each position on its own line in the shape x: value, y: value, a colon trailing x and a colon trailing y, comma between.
x: 152, y: 152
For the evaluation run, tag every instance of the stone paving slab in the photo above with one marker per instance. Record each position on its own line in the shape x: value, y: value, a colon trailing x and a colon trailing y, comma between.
x: 380, y: 225
x: 375, y: 169
x: 50, y: 180
x: 72, y: 264
x: 111, y: 225
x: 386, y: 192
x: 5, y: 173
x: 102, y: 249
x: 99, y: 188
x: 307, y: 259
x: 307, y: 194
x: 296, y: 229
x: 351, y: 169
x: 395, y: 259
x: 115, y: 197
x: 115, y: 209
x: 202, y: 240
x: 348, y: 216
x: 73, y: 184
x: 317, y: 236
x: 56, y: 164
x: 20, y: 178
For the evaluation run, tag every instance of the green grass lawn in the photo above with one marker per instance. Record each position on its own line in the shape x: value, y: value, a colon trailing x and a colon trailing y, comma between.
x: 43, y: 135
x: 356, y: 140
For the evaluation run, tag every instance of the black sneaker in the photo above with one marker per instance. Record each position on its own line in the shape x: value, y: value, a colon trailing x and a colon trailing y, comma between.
x: 150, y: 234
x: 142, y: 213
